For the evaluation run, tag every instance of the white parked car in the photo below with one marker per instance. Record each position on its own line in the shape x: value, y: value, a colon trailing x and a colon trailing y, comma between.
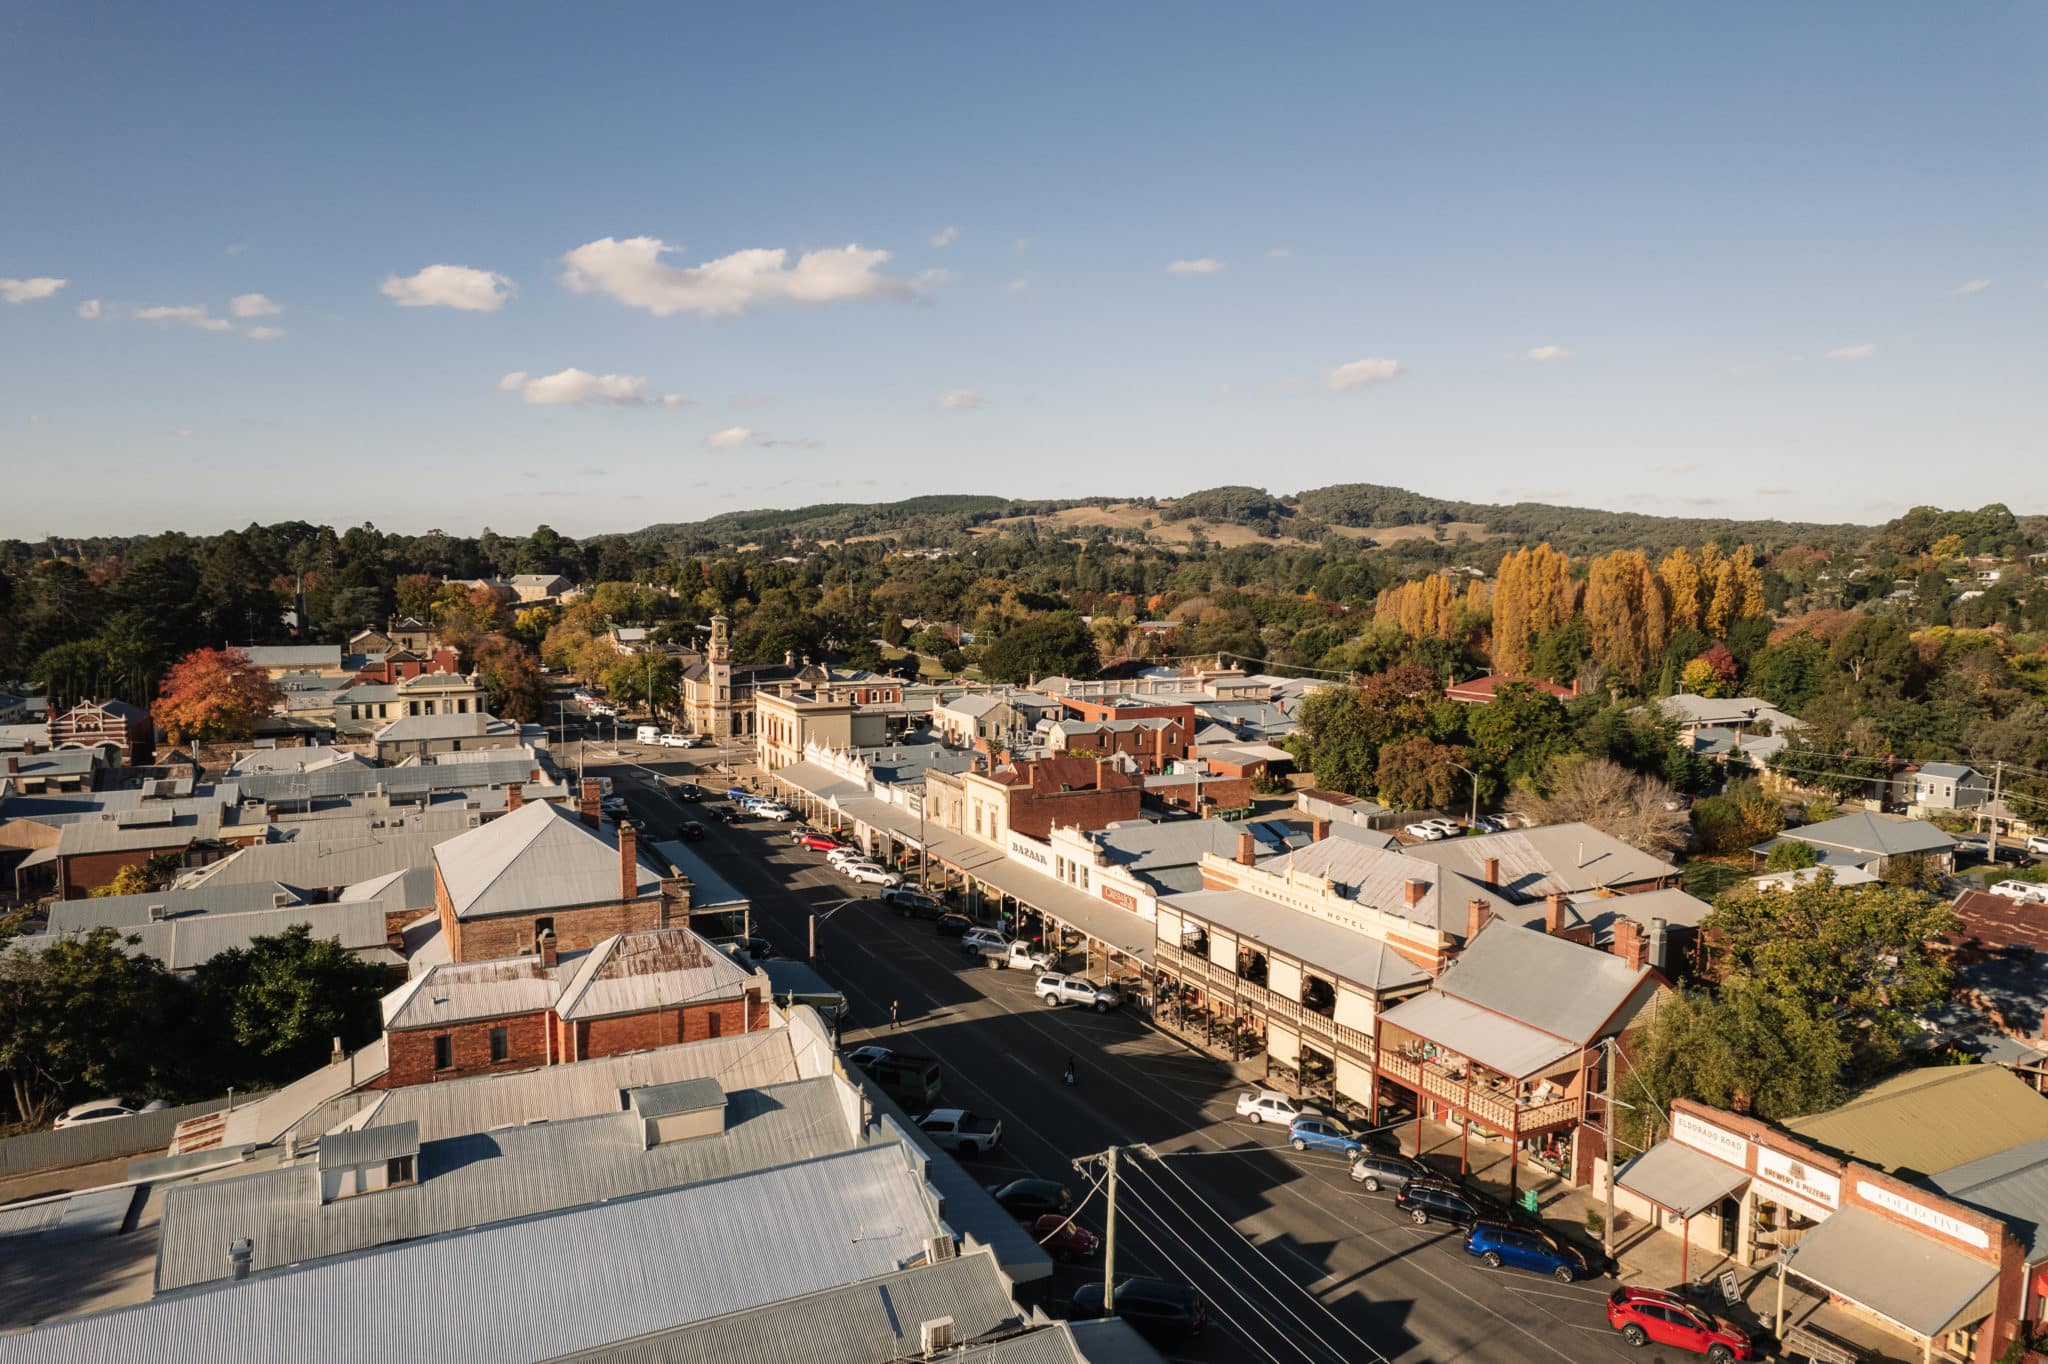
x: 2038, y: 846
x: 100, y: 1110
x: 2025, y: 891
x: 1269, y: 1105
x: 1428, y: 832
x: 977, y: 940
x: 839, y: 857
x: 1053, y: 988
x: 868, y: 874
x: 1450, y: 827
x: 770, y: 809
x: 962, y: 1131
x: 677, y: 740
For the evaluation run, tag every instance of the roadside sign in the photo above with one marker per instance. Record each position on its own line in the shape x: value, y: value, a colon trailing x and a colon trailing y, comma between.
x: 1731, y: 1287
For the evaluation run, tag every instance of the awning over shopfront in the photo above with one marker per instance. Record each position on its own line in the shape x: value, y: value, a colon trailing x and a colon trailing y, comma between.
x: 1513, y: 1049
x: 1128, y: 933
x: 1679, y: 1179
x: 1913, y: 1280
x: 818, y: 781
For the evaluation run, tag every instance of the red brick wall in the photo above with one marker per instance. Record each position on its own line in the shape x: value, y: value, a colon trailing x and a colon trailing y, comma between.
x: 79, y: 874
x: 1035, y: 814
x: 576, y: 930
x: 412, y: 1050
x: 661, y: 1028
x: 1226, y: 793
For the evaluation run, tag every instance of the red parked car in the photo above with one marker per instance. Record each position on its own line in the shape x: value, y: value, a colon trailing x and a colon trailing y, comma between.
x: 815, y: 841
x: 1065, y: 1240
x: 1646, y: 1316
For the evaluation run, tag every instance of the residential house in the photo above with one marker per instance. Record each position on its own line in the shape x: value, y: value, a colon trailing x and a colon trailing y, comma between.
x: 1527, y: 865
x: 400, y: 633
x: 1478, y: 691
x: 1148, y: 743
x: 1948, y: 786
x: 31, y: 771
x: 1869, y: 841
x: 417, y: 736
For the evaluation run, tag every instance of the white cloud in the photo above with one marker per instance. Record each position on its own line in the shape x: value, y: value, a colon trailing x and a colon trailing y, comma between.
x: 1858, y: 352
x: 25, y: 290
x: 263, y: 333
x: 1974, y: 286
x: 579, y: 387
x: 730, y: 438
x: 450, y: 286
x: 189, y: 314
x: 633, y: 272
x: 90, y: 308
x: 1358, y: 373
x: 960, y: 399
x: 1201, y: 265
x: 945, y: 236
x: 253, y: 305
x: 1543, y: 354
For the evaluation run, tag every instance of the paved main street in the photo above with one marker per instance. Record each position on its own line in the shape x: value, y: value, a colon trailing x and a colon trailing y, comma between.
x: 1317, y: 1241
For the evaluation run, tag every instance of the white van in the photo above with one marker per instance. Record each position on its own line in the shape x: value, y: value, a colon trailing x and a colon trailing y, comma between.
x: 647, y: 734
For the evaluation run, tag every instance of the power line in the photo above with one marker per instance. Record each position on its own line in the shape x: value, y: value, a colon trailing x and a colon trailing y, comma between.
x: 1243, y: 1334
x: 1260, y: 1252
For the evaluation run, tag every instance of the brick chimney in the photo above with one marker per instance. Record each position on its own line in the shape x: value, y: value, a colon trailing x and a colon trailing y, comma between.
x: 629, y: 862
x: 1492, y: 874
x: 675, y: 901
x: 1318, y: 829
x: 1101, y: 784
x: 515, y: 796
x: 28, y: 747
x: 1476, y: 915
x: 1553, y: 913
x: 1247, y: 848
x: 1628, y: 943
x: 548, y: 947
x: 13, y: 765
x: 587, y: 797
x: 1413, y: 892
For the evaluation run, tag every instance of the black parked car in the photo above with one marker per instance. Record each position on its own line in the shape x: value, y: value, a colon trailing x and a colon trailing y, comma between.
x: 912, y: 903
x: 1439, y: 1200
x: 691, y: 831
x: 731, y: 814
x: 954, y: 925
x: 1156, y: 1308
x: 687, y: 791
x: 1026, y: 1199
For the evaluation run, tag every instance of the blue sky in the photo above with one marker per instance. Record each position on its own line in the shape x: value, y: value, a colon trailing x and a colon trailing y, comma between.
x: 1728, y: 260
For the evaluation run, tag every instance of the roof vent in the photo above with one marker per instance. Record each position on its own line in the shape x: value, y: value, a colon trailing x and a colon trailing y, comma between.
x: 936, y: 1334
x: 242, y: 1250
x: 157, y: 913
x: 940, y: 1248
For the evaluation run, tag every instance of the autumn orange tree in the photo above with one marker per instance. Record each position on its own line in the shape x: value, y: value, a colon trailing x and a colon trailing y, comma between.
x: 212, y: 695
x: 1533, y: 595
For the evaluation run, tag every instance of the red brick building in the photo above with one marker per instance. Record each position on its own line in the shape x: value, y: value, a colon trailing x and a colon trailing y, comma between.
x: 631, y: 992
x: 93, y: 724
x: 542, y: 871
x: 1030, y: 797
x: 1150, y: 741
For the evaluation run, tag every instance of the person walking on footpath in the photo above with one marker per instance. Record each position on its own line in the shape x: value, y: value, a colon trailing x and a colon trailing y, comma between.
x: 892, y: 1015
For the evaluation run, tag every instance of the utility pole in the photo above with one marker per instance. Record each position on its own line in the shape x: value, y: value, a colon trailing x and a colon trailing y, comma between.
x: 812, y: 955
x: 1997, y: 788
x: 1607, y: 1140
x: 1109, y: 1245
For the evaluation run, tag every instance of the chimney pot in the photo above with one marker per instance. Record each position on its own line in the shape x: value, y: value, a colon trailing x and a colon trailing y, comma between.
x: 1414, y: 891
x: 1492, y: 871
x: 629, y: 862
x: 1247, y: 848
x: 1553, y: 913
x: 1476, y: 915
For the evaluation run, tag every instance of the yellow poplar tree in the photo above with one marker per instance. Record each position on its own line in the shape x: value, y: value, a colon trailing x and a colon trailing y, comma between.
x: 1680, y: 576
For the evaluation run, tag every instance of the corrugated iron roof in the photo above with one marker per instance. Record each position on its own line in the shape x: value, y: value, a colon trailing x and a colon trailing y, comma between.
x: 1553, y: 984
x: 1933, y: 1118
x: 541, y: 1286
x: 538, y: 857
x: 651, y: 969
x: 481, y: 1178
x: 1566, y: 858
x: 1319, y: 945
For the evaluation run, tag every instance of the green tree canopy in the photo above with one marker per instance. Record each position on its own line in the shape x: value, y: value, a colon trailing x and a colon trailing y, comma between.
x: 1053, y: 645
x: 282, y: 1000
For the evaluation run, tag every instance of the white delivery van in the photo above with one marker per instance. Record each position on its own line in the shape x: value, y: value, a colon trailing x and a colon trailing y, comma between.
x: 647, y: 734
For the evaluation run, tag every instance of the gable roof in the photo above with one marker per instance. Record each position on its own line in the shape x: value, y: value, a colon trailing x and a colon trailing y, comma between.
x: 1356, y: 957
x: 1379, y: 877
x: 1548, y: 859
x: 1934, y: 1118
x: 1552, y: 984
x: 537, y: 857
x: 1867, y: 833
x: 652, y: 968
x: 464, y: 991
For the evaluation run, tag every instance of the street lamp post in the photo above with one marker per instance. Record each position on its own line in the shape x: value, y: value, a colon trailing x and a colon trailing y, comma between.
x: 1475, y: 789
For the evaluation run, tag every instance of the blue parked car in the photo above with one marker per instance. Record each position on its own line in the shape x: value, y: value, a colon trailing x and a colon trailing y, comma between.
x: 1499, y: 1243
x: 1323, y: 1134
